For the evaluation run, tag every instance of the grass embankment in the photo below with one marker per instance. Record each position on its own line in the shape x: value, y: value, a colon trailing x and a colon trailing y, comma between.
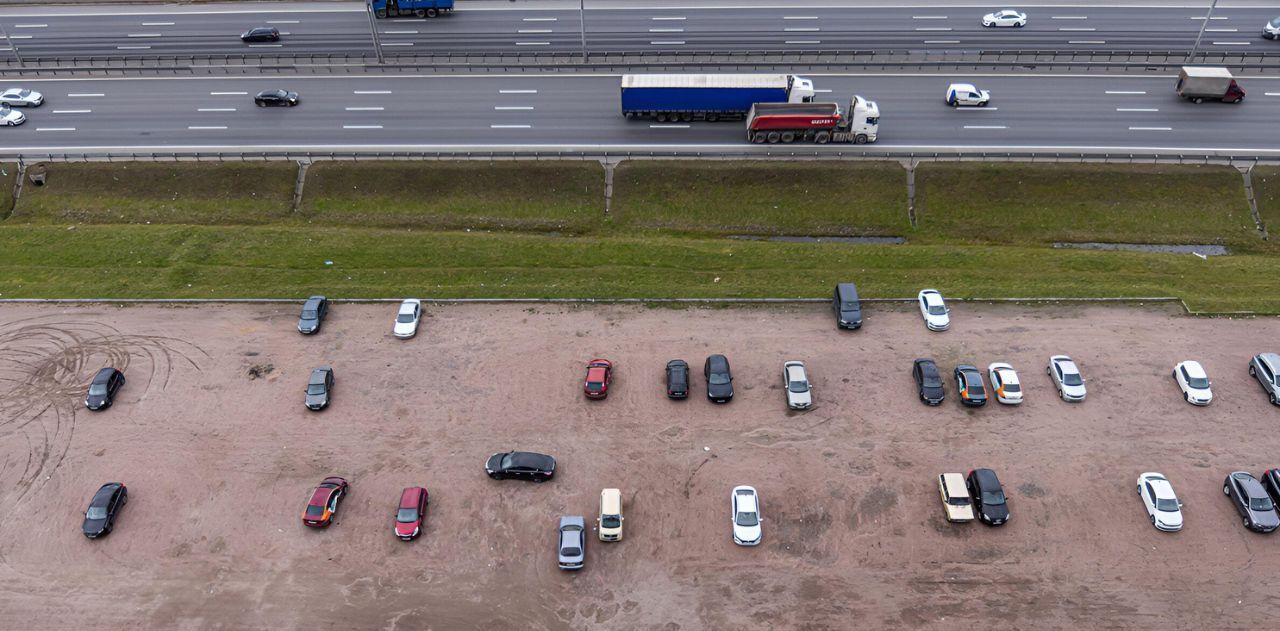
x: 650, y: 248
x: 793, y: 198
x: 1266, y: 190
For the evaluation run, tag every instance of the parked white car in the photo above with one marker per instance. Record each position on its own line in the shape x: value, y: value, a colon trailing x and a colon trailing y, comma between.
x: 935, y: 311
x: 407, y: 317
x: 1004, y: 380
x: 967, y: 94
x: 1193, y: 382
x: 1007, y: 17
x: 1066, y: 378
x: 1162, y: 504
x: 796, y: 382
x: 10, y: 117
x: 746, y: 516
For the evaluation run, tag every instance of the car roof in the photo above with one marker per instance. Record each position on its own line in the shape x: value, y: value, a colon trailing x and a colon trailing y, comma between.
x: 312, y: 301
x: 529, y: 459
x: 1162, y: 488
x: 718, y: 361
x: 1066, y: 363
x: 106, y: 490
x: 986, y: 477
x: 967, y: 368
x: 1272, y: 359
x: 932, y: 298
x: 320, y: 495
x: 1007, y: 374
x: 408, y: 305
x: 103, y: 374
x: 746, y: 498
x: 409, y: 497
x: 1194, y: 369
x: 963, y: 86
x: 955, y: 484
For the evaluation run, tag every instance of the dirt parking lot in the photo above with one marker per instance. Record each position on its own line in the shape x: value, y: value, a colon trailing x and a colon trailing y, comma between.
x: 219, y: 455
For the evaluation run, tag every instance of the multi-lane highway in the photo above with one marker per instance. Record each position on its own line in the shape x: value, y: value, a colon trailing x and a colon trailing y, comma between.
x: 632, y: 26
x: 550, y: 112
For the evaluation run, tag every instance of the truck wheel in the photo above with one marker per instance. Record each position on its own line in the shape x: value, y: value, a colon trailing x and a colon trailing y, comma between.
x: 822, y: 138
x: 687, y: 117
x: 381, y: 13
x: 758, y: 138
x: 432, y: 13
x: 660, y: 117
x: 1238, y: 100
x: 773, y: 137
x: 420, y: 13
x: 860, y: 139
x: 1197, y: 100
x: 711, y: 118
x: 788, y: 136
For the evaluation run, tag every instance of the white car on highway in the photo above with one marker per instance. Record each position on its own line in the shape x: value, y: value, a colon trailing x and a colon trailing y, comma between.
x: 407, y: 318
x: 1007, y: 17
x: 1004, y: 380
x: 10, y: 117
x: 1193, y: 382
x: 967, y: 94
x: 746, y: 516
x: 1066, y: 378
x: 935, y: 311
x: 1162, y: 505
x: 21, y: 97
x: 796, y: 381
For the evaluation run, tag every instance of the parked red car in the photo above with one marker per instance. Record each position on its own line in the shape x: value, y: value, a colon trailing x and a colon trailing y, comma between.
x: 599, y: 374
x: 324, y: 502
x: 413, y: 507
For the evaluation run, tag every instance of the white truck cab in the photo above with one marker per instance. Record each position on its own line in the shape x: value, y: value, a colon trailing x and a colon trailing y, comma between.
x: 801, y: 90
x: 864, y: 118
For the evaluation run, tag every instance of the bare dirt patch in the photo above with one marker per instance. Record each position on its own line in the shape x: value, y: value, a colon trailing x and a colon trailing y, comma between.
x: 219, y: 464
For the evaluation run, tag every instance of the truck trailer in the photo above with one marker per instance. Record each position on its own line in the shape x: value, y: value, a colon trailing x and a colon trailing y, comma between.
x: 709, y: 97
x: 416, y: 8
x: 814, y: 122
x: 1198, y: 84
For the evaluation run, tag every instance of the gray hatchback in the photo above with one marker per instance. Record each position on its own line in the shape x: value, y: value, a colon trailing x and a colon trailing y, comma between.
x: 319, y: 387
x: 1266, y: 369
x: 572, y: 542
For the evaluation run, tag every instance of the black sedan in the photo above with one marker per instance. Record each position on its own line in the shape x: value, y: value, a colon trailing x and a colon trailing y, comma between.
x: 103, y: 508
x: 313, y: 312
x: 1256, y: 509
x: 276, y: 98
x: 521, y: 465
x: 969, y: 385
x: 677, y: 379
x: 719, y: 379
x: 928, y: 381
x: 988, y: 497
x: 261, y: 34
x: 103, y: 388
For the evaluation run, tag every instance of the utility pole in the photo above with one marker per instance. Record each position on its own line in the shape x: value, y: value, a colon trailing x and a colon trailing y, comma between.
x: 582, y: 20
x: 373, y: 31
x: 1213, y: 4
x: 12, y: 46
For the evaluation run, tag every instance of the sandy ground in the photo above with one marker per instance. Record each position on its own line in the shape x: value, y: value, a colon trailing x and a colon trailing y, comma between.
x: 219, y: 465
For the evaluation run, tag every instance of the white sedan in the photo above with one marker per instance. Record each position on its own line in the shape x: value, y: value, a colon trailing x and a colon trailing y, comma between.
x: 21, y: 97
x: 1004, y: 380
x: 967, y: 94
x: 10, y: 117
x: 1066, y: 378
x: 1193, y: 382
x: 796, y: 381
x: 407, y: 318
x: 935, y: 311
x: 1007, y: 17
x: 1162, y: 505
x: 746, y: 516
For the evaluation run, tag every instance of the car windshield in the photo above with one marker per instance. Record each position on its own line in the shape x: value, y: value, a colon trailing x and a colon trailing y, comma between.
x: 506, y: 462
x: 1166, y: 505
x: 798, y: 386
x: 24, y: 93
x: 308, y: 314
x: 747, y: 519
x: 1261, y: 504
x: 718, y: 378
x: 1199, y: 383
x: 958, y: 500
x: 611, y: 521
x: 98, y: 389
x: 937, y: 310
x: 848, y: 306
x: 993, y: 498
x: 407, y: 515
x: 1072, y: 379
x: 96, y: 512
x: 315, y: 388
x: 405, y: 318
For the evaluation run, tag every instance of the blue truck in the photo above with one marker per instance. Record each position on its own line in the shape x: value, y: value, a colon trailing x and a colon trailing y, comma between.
x: 417, y: 8
x: 709, y: 97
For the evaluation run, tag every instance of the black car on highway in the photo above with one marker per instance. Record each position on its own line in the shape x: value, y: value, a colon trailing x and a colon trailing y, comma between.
x: 928, y: 381
x: 100, y: 518
x: 1251, y: 500
x: 719, y: 379
x: 520, y: 465
x: 988, y: 497
x: 103, y: 388
x: 677, y: 379
x: 313, y: 312
x: 276, y: 98
x: 261, y: 34
x: 969, y: 385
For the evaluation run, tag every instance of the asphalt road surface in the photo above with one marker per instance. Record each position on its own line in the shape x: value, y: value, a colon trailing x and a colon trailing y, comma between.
x: 476, y: 26
x: 575, y: 111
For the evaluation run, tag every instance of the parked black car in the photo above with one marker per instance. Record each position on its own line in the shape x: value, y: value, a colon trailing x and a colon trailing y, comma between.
x: 106, y: 503
x: 847, y: 307
x: 988, y: 498
x: 103, y: 388
x: 1271, y: 482
x: 313, y: 312
x: 677, y: 379
x: 261, y: 34
x: 521, y: 465
x: 276, y: 98
x: 928, y: 381
x: 969, y: 385
x: 319, y: 387
x: 1256, y: 509
x: 719, y: 379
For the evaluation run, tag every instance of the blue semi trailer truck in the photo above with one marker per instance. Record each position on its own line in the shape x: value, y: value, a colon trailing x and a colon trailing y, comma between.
x: 417, y: 8
x: 709, y: 97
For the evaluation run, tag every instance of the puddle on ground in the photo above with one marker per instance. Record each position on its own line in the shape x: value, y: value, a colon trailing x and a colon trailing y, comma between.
x: 1206, y: 250
x: 795, y: 239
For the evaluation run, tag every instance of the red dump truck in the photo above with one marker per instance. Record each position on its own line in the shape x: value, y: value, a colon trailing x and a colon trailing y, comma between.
x: 813, y: 122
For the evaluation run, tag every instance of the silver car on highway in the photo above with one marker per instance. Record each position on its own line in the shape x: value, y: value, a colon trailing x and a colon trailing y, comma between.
x: 21, y: 97
x: 10, y: 117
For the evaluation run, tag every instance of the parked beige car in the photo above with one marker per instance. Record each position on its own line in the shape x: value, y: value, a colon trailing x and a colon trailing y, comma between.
x: 610, y: 520
x: 955, y: 497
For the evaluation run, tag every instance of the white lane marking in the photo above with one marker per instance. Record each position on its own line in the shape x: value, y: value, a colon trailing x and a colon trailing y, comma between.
x: 30, y: 26
x: 405, y: 32
x: 668, y: 18
x: 1271, y: 94
x: 668, y: 127
x: 265, y: 45
x: 228, y: 94
x: 1126, y: 92
x: 517, y: 91
x: 1222, y: 30
x: 205, y: 127
x: 55, y: 129
x: 822, y: 89
x: 928, y: 17
x: 1076, y: 29
x: 1201, y: 17
x: 932, y: 28
x: 1086, y: 41
x: 512, y: 107
x: 133, y: 47
x: 362, y: 126
x: 365, y: 92
x: 1069, y: 17
x: 540, y: 19
x: 666, y: 30
x: 985, y: 127
x: 510, y: 126
x: 1137, y: 109
x: 533, y: 30
x: 157, y: 24
x: 365, y: 109
x: 1231, y: 43
x: 283, y: 21
x: 72, y: 111
x: 800, y: 17
x: 977, y: 109
x: 803, y: 41
x: 215, y: 109
x: 83, y: 94
x: 942, y: 41
x: 672, y: 42
x: 533, y: 43
x: 1150, y: 129
x: 145, y: 35
x: 804, y: 29
x: 397, y: 43
x: 21, y: 36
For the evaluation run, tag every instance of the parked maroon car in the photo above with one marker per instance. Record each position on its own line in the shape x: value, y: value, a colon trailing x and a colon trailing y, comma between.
x: 599, y: 374
x: 324, y: 502
x: 413, y: 507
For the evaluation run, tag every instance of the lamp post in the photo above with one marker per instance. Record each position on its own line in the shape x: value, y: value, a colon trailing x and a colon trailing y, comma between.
x: 1213, y: 4
x: 13, y: 47
x: 373, y: 30
x: 582, y: 20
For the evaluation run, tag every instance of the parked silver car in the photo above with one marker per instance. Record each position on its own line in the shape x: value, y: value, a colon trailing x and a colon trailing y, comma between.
x: 571, y: 544
x: 796, y: 382
x: 1266, y: 369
